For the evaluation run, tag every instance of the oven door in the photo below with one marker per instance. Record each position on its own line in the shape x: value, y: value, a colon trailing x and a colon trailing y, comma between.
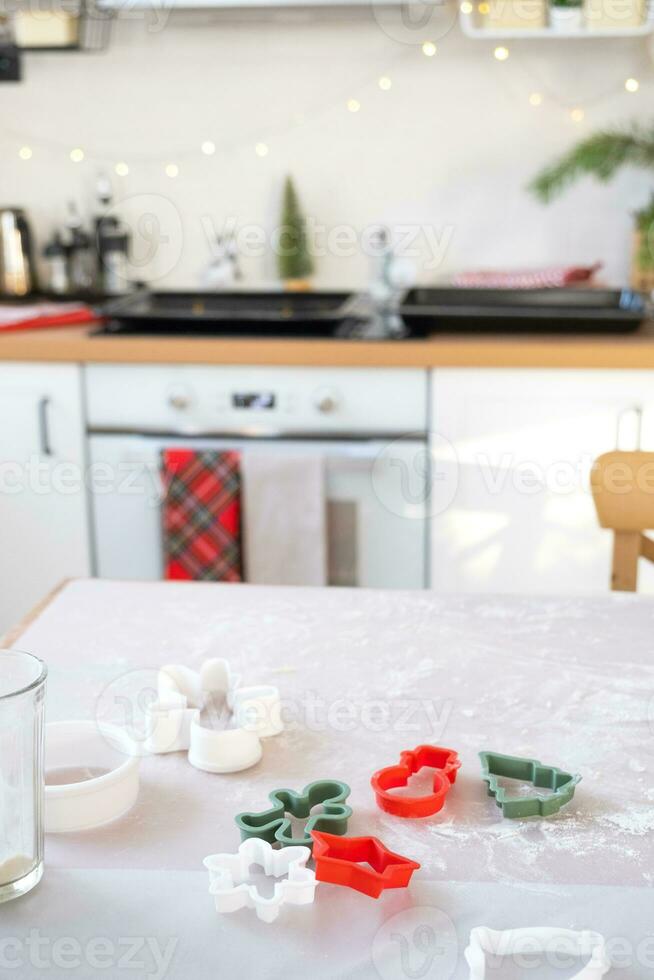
x: 377, y: 528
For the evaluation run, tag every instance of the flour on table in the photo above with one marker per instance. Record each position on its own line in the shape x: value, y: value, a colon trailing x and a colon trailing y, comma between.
x: 633, y: 820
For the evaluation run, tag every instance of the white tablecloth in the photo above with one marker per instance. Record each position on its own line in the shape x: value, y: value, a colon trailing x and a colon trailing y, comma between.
x: 363, y: 675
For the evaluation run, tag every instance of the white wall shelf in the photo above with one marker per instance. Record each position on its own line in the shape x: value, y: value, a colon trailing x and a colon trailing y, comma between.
x: 259, y: 7
x: 471, y: 28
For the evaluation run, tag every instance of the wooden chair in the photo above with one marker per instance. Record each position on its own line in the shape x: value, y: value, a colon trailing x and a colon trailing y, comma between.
x: 623, y: 491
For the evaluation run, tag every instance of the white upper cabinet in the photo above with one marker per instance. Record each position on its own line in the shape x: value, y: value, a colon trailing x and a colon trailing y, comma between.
x: 512, y: 450
x: 43, y: 502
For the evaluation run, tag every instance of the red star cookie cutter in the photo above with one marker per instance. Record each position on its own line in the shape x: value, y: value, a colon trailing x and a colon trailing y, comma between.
x: 337, y: 861
x: 446, y: 764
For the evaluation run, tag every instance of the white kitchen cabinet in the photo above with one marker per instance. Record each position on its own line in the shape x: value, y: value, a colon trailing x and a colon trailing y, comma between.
x: 511, y: 508
x: 43, y: 503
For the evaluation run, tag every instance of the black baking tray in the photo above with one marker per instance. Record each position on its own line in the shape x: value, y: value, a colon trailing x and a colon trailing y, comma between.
x: 523, y: 310
x: 229, y: 313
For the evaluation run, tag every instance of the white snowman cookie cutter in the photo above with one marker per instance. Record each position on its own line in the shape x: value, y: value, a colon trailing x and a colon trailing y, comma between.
x: 174, y: 722
x: 229, y: 874
x: 540, y: 939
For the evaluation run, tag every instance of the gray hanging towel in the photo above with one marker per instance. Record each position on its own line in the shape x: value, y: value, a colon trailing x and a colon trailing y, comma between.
x: 284, y: 519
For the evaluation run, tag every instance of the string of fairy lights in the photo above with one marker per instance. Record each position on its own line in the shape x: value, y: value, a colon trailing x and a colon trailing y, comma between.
x: 351, y: 101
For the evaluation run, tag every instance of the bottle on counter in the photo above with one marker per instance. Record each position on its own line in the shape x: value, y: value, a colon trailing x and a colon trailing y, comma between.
x: 113, y: 252
x: 55, y: 256
x: 112, y: 242
x: 79, y: 253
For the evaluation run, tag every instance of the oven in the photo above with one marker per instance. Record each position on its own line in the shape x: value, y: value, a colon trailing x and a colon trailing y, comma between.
x: 368, y: 426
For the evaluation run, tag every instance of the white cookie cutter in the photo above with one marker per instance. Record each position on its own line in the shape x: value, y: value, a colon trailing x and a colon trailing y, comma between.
x: 94, y: 747
x: 229, y: 874
x: 173, y: 721
x: 541, y: 939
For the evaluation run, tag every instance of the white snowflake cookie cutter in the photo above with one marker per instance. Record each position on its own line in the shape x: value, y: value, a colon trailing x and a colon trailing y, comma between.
x: 173, y: 722
x: 229, y: 874
x: 540, y: 939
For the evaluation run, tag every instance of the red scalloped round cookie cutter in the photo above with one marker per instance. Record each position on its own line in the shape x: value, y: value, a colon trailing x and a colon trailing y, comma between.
x: 446, y: 764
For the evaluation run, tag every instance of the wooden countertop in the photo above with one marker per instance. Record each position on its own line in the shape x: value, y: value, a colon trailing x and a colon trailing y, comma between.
x: 441, y: 350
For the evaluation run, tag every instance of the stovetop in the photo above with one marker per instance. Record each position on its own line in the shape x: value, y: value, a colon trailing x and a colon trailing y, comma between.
x: 422, y: 311
x: 236, y: 313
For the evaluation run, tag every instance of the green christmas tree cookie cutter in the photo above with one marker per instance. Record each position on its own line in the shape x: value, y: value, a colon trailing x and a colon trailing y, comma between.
x: 495, y: 766
x: 274, y: 825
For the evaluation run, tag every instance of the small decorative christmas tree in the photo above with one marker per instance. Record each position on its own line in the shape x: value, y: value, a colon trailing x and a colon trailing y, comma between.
x: 601, y: 156
x: 294, y: 260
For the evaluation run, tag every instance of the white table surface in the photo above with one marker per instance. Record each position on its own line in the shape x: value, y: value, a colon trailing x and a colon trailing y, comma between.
x: 363, y: 675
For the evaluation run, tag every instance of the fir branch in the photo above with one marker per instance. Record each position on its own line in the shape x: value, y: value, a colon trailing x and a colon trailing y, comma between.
x: 599, y: 156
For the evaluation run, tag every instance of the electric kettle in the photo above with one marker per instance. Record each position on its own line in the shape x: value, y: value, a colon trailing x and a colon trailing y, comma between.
x: 17, y: 273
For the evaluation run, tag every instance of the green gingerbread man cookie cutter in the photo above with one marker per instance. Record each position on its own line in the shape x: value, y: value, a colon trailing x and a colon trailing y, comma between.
x: 495, y: 766
x: 274, y: 826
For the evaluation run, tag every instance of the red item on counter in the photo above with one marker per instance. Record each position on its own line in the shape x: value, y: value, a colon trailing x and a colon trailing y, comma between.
x: 37, y: 316
x: 202, y: 515
x: 549, y: 278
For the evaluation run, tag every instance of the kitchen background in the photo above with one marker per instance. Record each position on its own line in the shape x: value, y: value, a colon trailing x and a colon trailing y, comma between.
x: 465, y: 471
x: 465, y: 137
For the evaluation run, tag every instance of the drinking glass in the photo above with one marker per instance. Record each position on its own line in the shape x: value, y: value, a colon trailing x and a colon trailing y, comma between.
x: 22, y: 703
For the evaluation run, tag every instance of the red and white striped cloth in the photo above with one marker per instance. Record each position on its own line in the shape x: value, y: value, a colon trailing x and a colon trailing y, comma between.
x: 551, y: 278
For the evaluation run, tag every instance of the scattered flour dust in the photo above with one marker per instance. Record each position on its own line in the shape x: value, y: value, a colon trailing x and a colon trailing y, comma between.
x: 635, y: 821
x: 514, y: 850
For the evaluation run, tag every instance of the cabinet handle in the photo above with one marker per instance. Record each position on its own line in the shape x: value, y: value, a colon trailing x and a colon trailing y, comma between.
x: 44, y: 427
x: 637, y: 412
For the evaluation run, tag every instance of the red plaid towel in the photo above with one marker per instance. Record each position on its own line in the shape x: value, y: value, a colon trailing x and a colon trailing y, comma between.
x: 202, y: 515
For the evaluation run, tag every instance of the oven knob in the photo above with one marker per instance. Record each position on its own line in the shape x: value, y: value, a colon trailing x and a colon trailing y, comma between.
x: 326, y: 401
x: 179, y: 400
